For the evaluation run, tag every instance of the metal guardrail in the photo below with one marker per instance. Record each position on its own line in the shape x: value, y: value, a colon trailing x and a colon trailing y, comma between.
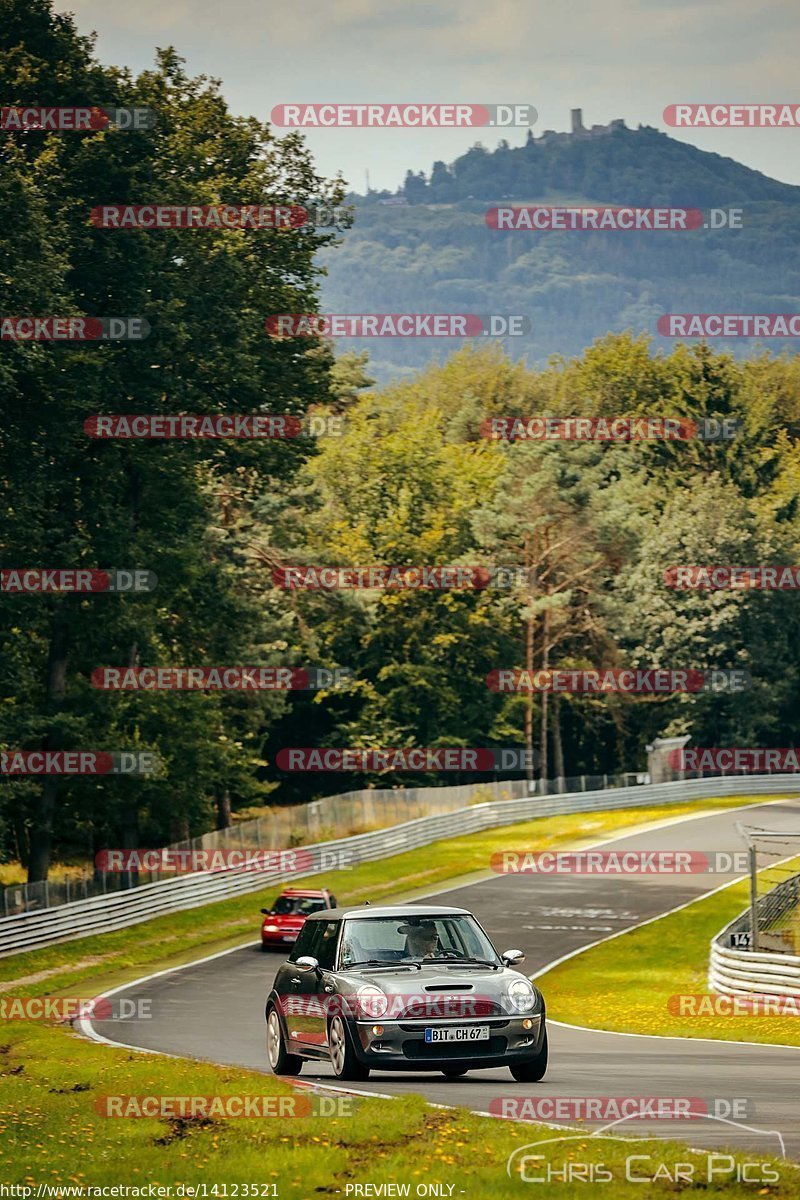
x: 30, y: 930
x: 733, y: 971
x: 741, y: 972
x: 341, y: 815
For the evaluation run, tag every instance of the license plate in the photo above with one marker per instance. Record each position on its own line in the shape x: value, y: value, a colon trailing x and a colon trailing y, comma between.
x: 461, y: 1033
x: 289, y: 937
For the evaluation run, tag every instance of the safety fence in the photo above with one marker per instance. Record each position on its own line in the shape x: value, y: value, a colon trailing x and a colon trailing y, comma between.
x: 116, y: 910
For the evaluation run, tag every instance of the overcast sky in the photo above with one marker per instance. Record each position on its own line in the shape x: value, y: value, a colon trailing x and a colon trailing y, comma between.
x: 618, y: 58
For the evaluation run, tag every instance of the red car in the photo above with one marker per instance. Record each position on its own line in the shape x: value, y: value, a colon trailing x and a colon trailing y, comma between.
x: 286, y: 918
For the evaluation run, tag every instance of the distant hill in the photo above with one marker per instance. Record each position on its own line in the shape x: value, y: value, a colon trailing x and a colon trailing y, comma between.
x: 427, y: 248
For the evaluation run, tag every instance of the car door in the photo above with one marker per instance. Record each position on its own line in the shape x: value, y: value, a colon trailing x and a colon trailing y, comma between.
x: 312, y: 989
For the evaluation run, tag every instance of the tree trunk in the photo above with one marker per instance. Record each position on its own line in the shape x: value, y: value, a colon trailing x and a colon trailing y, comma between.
x: 543, y: 764
x: 529, y: 700
x: 558, y: 745
x: 41, y: 834
x: 223, y: 808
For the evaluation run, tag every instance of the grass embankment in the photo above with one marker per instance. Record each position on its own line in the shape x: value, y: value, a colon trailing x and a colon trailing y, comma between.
x: 643, y: 968
x: 51, y: 1132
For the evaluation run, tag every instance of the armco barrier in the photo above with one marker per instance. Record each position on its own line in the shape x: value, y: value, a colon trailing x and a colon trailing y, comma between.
x: 30, y: 930
x: 735, y: 972
x: 739, y: 972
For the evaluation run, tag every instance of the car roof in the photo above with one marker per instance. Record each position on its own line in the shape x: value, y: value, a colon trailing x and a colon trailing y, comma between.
x: 289, y: 891
x: 394, y: 910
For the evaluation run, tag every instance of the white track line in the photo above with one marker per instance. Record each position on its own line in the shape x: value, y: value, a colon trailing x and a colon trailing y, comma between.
x: 88, y: 1030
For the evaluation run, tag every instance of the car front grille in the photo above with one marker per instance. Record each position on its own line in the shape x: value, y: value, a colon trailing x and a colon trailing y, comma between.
x: 487, y: 1049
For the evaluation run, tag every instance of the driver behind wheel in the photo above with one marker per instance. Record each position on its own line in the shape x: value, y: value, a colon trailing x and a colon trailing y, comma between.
x: 422, y: 940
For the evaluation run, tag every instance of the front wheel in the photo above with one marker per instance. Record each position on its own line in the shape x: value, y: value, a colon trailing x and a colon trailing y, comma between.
x: 343, y: 1058
x: 531, y: 1070
x: 280, y: 1060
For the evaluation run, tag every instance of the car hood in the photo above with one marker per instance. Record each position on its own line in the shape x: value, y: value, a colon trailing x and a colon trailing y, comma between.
x: 432, y: 979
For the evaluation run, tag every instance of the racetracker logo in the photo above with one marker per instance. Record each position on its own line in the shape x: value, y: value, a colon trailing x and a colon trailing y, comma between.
x: 540, y: 217
x: 755, y: 759
x: 403, y: 579
x: 216, y: 679
x: 755, y: 1005
x: 732, y: 116
x: 198, y: 216
x: 619, y: 862
x: 718, y: 578
x: 187, y: 861
x: 634, y: 681
x: 400, y: 116
x: 212, y: 1108
x: 82, y: 119
x: 588, y: 429
x: 57, y: 581
x: 417, y: 758
x: 729, y: 325
x: 372, y: 1004
x: 612, y: 1108
x: 220, y: 425
x: 402, y: 325
x: 73, y: 329
x: 72, y: 1008
x: 77, y: 762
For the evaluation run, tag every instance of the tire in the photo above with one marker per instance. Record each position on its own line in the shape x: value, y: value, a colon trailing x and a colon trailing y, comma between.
x: 343, y: 1058
x: 454, y: 1072
x: 280, y: 1061
x: 531, y: 1070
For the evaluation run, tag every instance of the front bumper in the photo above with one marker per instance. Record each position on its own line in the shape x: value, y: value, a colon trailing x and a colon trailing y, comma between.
x: 402, y: 1046
x: 284, y: 937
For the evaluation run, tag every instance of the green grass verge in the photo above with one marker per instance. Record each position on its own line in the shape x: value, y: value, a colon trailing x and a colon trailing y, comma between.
x: 50, y: 1131
x: 643, y: 968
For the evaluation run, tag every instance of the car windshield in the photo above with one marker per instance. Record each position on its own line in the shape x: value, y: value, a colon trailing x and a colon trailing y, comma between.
x: 414, y: 938
x: 298, y: 906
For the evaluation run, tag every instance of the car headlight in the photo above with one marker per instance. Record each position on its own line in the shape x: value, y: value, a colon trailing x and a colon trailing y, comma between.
x: 371, y: 1002
x: 270, y: 929
x: 521, y: 995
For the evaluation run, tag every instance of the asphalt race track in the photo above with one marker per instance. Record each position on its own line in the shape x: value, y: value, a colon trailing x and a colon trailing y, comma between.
x: 215, y: 1010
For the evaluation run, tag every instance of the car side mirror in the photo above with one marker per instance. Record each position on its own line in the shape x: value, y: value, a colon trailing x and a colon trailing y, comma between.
x: 267, y: 912
x: 307, y: 963
x: 513, y: 958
